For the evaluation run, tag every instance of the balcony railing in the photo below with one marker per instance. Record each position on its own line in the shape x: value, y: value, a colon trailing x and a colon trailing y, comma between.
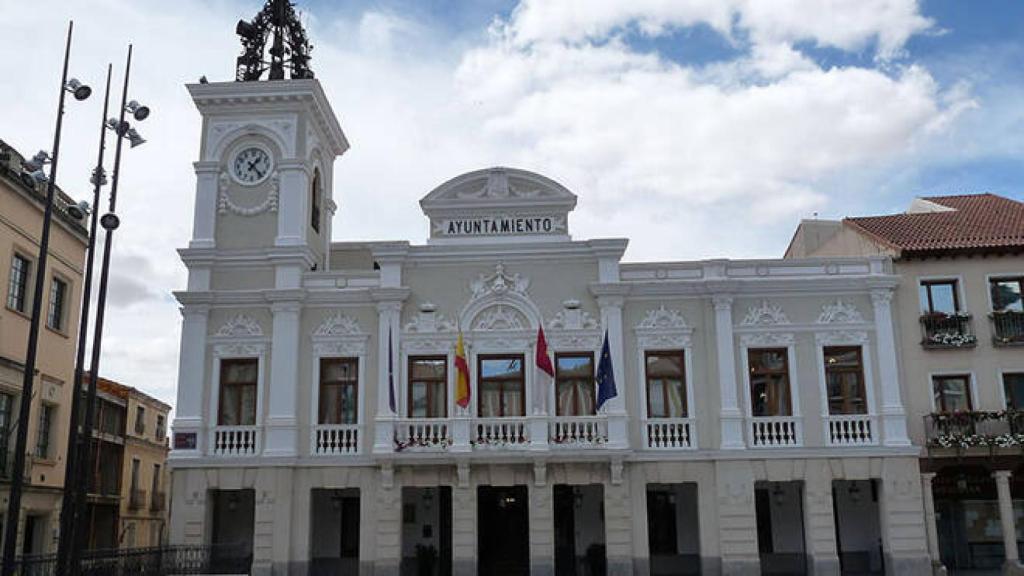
x: 579, y: 431
x: 975, y: 429
x: 1007, y: 328
x: 236, y: 440
x: 136, y: 499
x: 670, y: 433
x: 775, y: 432
x: 423, y: 434
x: 851, y: 430
x: 159, y: 501
x: 335, y: 439
x: 939, y: 331
x: 500, y: 432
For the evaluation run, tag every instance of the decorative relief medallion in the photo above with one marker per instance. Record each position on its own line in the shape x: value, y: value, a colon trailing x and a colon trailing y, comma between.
x: 663, y: 319
x: 498, y: 284
x: 498, y: 318
x: 572, y: 342
x: 339, y: 325
x: 429, y: 322
x: 240, y: 325
x: 840, y: 312
x: 764, y: 314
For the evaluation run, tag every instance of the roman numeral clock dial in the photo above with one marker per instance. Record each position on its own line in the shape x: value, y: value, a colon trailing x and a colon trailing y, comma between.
x: 251, y: 166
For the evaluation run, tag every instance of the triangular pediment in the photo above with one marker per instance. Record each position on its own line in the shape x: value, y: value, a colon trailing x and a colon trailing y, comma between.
x: 499, y: 202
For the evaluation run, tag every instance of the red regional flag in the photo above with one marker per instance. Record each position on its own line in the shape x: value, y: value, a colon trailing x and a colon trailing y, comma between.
x: 543, y: 360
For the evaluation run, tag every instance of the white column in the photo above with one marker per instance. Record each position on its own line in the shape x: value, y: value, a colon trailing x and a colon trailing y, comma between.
x: 731, y: 417
x: 281, y: 431
x: 929, y: 518
x: 1006, y: 515
x: 615, y: 408
x: 188, y: 415
x: 894, y: 418
x: 292, y: 207
x: 388, y: 317
x: 204, y: 216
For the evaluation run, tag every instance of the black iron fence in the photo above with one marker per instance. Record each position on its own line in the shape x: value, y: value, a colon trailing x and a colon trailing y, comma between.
x: 156, y: 561
x: 991, y: 429
x: 940, y: 330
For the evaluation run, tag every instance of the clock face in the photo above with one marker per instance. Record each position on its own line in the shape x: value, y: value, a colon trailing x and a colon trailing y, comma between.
x: 251, y: 166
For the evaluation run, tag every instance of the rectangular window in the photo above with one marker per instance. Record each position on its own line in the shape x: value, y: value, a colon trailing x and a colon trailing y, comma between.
x: 135, y: 474
x: 43, y: 436
x: 1006, y: 294
x: 17, y: 284
x: 238, y: 392
x: 502, y: 386
x: 58, y: 296
x: 844, y: 379
x: 161, y: 427
x: 140, y: 420
x: 428, y: 387
x: 574, y: 384
x: 769, y: 382
x: 6, y: 407
x: 952, y: 393
x: 156, y: 480
x: 339, y: 390
x: 666, y: 384
x: 939, y: 297
x: 314, y: 193
x: 1013, y: 385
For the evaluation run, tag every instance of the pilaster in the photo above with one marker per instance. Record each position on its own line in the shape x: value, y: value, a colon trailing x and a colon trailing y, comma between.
x: 931, y: 529
x: 618, y: 522
x: 204, y: 216
x: 542, y: 523
x: 615, y: 408
x: 292, y: 210
x: 389, y: 530
x: 737, y: 518
x: 901, y: 516
x: 893, y: 415
x: 819, y: 520
x: 191, y: 377
x: 388, y: 333
x: 464, y: 528
x: 1006, y: 519
x: 281, y: 427
x: 731, y: 417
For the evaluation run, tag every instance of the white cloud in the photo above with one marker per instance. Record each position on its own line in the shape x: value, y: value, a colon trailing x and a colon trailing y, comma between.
x: 687, y: 162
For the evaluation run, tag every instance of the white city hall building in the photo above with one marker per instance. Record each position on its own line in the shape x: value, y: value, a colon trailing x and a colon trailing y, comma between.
x: 758, y: 426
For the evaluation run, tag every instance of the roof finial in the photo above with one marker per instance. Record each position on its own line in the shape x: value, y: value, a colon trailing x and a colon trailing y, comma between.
x: 290, y: 47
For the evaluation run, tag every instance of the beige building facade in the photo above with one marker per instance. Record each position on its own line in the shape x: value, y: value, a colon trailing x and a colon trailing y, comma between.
x: 960, y: 330
x: 758, y: 422
x: 144, y: 507
x: 21, y: 216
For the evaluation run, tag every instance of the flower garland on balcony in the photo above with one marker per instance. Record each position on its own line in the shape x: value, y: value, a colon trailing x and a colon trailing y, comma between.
x: 957, y: 429
x: 422, y: 443
x: 954, y: 340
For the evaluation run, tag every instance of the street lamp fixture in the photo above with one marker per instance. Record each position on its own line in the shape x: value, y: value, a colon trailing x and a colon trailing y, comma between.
x: 79, y: 211
x: 79, y: 90
x: 138, y: 111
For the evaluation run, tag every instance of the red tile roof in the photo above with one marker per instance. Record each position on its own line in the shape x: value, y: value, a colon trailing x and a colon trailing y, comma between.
x: 978, y: 223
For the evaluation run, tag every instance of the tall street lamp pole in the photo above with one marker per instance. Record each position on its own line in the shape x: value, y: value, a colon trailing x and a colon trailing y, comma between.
x: 109, y: 222
x: 18, y: 473
x: 71, y: 508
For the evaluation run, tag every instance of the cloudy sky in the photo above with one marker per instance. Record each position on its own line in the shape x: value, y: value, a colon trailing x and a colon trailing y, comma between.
x: 703, y: 128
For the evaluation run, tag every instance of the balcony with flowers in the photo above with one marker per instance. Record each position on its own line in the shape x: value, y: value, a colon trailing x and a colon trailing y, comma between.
x: 945, y: 330
x: 960, y: 432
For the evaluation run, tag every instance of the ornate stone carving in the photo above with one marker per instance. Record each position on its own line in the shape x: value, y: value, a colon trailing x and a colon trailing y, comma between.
x: 429, y: 322
x: 349, y: 347
x: 240, y: 325
x: 573, y: 319
x: 567, y: 342
x: 269, y: 204
x: 238, y: 350
x: 758, y: 339
x: 839, y: 337
x: 663, y: 319
x: 663, y: 341
x: 498, y: 318
x: 498, y: 283
x: 764, y: 314
x: 339, y: 325
x: 840, y: 312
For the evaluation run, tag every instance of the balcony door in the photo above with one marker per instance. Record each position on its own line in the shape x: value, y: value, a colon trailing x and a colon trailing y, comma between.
x: 844, y: 380
x: 502, y: 386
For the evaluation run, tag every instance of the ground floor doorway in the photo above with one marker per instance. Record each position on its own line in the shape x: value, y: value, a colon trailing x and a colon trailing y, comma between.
x: 426, y: 531
x: 232, y: 530
x: 335, y: 537
x: 780, y: 527
x: 102, y: 519
x: 579, y: 530
x: 673, y: 529
x: 503, y: 542
x: 858, y: 530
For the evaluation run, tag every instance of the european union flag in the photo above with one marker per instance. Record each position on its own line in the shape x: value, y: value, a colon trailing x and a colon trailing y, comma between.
x: 605, y: 376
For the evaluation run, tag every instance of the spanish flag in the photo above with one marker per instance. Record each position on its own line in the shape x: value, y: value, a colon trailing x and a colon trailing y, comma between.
x: 461, y: 374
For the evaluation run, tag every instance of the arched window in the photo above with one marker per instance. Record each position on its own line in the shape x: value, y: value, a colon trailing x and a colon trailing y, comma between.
x: 314, y: 193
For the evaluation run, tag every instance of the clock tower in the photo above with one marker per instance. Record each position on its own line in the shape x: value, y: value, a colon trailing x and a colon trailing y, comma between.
x: 262, y: 220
